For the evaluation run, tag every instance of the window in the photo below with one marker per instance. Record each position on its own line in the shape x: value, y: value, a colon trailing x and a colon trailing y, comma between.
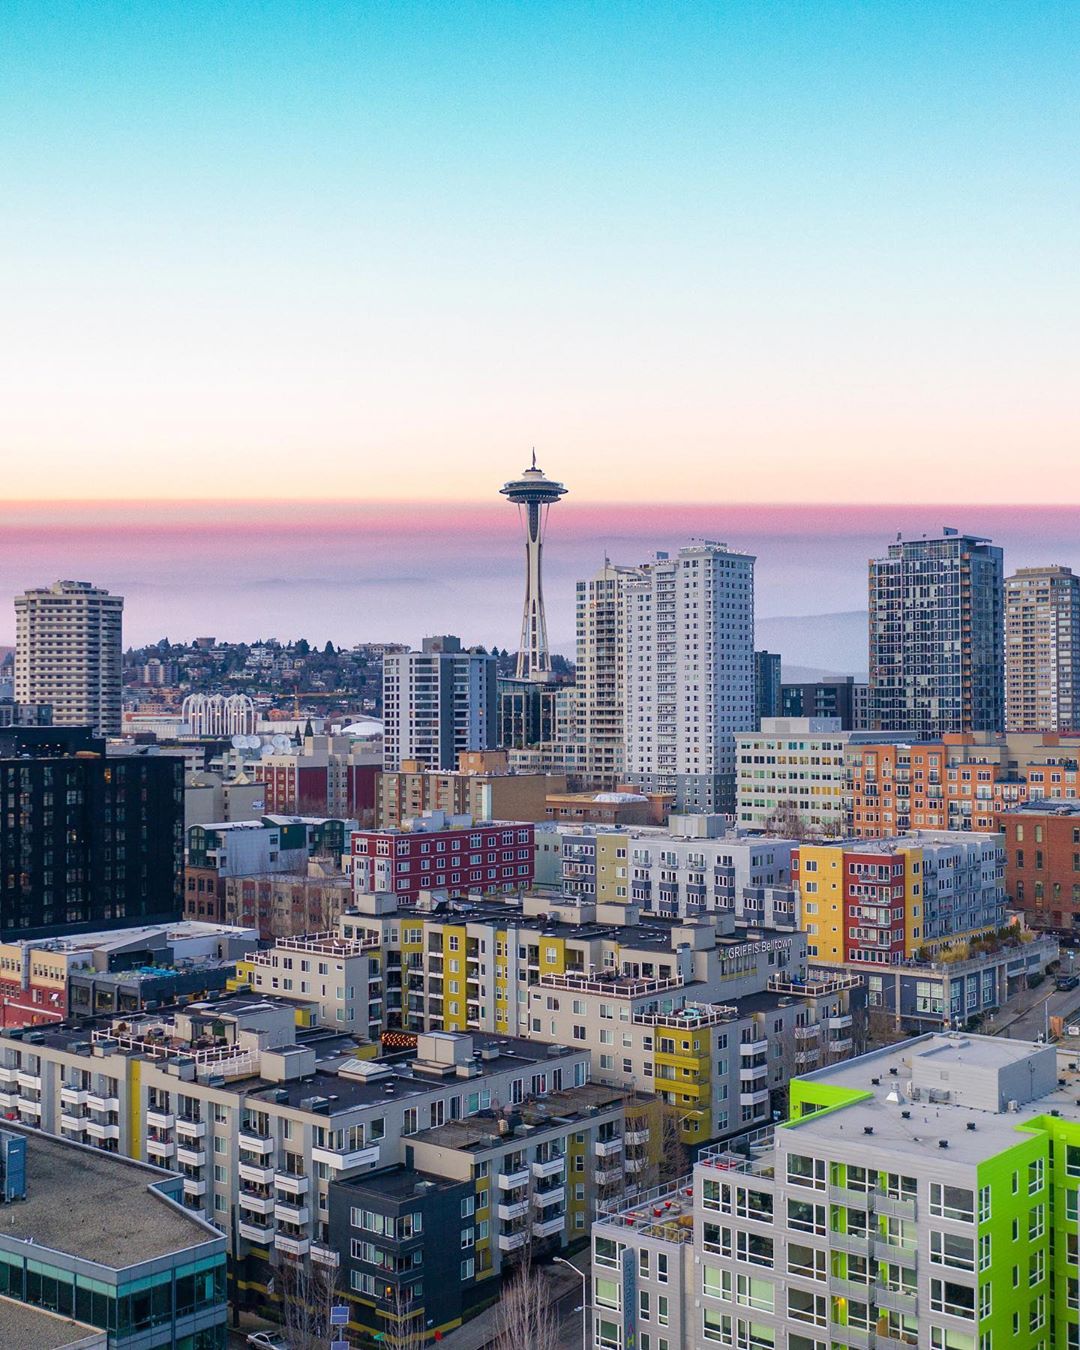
x: 951, y: 1202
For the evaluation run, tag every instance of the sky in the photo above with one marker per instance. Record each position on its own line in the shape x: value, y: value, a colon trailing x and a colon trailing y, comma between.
x: 730, y: 252
x: 290, y: 288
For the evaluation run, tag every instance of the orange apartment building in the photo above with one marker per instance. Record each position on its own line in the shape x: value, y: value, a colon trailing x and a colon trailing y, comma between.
x: 962, y: 782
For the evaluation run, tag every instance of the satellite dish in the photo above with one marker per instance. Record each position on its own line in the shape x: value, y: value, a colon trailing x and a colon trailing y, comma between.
x: 238, y: 742
x: 253, y: 742
x: 280, y: 742
x: 265, y: 750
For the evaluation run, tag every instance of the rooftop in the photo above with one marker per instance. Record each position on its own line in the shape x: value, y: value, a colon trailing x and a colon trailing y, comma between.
x: 400, y: 1183
x: 96, y: 1205
x: 483, y: 1131
x: 32, y: 1328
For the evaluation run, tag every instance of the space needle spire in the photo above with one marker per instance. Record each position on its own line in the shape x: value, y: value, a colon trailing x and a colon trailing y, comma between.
x: 535, y: 494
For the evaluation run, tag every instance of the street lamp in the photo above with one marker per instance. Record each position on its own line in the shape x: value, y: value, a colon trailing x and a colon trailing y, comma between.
x: 561, y: 1261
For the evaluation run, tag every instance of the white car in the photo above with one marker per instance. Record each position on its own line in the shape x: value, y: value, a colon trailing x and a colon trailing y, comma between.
x: 265, y: 1340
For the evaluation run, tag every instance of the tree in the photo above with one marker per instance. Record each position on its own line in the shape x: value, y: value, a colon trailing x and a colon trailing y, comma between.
x: 526, y: 1316
x: 404, y: 1322
x: 307, y: 1291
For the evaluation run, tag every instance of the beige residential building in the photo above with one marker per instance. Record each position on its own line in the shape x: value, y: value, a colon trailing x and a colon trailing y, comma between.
x: 1042, y: 650
x: 68, y: 654
x: 482, y: 787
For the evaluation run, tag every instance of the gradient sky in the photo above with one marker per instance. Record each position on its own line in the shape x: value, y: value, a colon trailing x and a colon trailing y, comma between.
x: 723, y: 252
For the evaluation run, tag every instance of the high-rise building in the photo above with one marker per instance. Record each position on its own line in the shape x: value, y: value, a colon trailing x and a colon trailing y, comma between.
x: 437, y: 703
x: 767, y: 685
x: 86, y: 841
x: 937, y: 637
x: 535, y: 494
x: 921, y: 1195
x: 690, y: 673
x: 1042, y: 650
x: 68, y: 654
x: 601, y: 671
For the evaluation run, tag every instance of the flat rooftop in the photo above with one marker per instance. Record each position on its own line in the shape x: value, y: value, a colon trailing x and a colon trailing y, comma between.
x: 95, y: 1205
x: 31, y: 1328
x: 954, y: 1098
x: 400, y: 1183
x: 480, y: 1132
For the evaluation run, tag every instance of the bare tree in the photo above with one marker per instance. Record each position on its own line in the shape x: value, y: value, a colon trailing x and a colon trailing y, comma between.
x: 787, y: 823
x: 307, y: 1291
x: 526, y: 1315
x: 404, y: 1323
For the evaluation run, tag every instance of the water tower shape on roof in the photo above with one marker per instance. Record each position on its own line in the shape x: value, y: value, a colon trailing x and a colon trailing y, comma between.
x: 535, y: 493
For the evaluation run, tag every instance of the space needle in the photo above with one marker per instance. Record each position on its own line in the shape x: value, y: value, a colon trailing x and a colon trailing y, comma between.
x: 535, y: 493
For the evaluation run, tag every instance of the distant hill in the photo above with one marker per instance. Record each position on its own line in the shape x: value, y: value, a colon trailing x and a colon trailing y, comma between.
x: 815, y: 646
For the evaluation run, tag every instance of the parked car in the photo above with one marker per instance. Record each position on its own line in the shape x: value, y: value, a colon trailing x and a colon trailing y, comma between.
x: 266, y: 1340
x: 1064, y: 982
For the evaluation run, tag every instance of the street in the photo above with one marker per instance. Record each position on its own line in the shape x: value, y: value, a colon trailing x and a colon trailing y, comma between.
x: 1048, y: 1002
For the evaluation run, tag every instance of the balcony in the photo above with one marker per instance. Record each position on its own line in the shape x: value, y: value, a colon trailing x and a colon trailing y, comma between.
x: 807, y: 1033
x: 750, y: 1072
x: 510, y: 1242
x: 29, y: 1106
x: 258, y: 1176
x: 69, y: 1096
x: 75, y: 1124
x: 607, y: 1148
x: 8, y: 1101
x: 291, y: 1182
x: 543, y: 1228
x: 30, y: 1081
x: 758, y: 1098
x: 555, y: 1196
x: 190, y: 1157
x: 262, y: 1233
x: 256, y: 1143
x: 190, y: 1129
x: 343, y: 1159
x: 160, y: 1120
x: 194, y: 1186
x: 635, y: 1165
x: 839, y: 1023
x: 842, y: 1046
x: 160, y: 1148
x: 518, y: 1210
x: 9, y: 1076
x: 608, y: 1176
x: 257, y: 1204
x: 324, y: 1255
x: 893, y: 1300
x: 287, y: 1213
x: 551, y: 1167
x: 96, y: 1102
x: 98, y: 1129
x: 510, y: 1181
x: 292, y: 1246
x: 635, y: 1137
x: 753, y: 1048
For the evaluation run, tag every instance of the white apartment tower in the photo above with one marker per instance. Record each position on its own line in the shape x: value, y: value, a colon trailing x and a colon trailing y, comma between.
x: 690, y: 673
x: 601, y: 672
x: 437, y: 703
x: 68, y: 653
x: 1042, y: 650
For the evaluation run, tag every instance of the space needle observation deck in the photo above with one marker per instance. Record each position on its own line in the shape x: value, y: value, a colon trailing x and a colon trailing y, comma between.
x: 534, y: 495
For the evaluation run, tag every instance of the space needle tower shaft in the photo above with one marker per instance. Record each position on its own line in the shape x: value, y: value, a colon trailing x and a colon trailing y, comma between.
x: 534, y: 494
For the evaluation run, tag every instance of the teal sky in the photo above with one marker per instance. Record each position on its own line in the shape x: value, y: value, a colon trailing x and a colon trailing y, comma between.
x: 735, y: 251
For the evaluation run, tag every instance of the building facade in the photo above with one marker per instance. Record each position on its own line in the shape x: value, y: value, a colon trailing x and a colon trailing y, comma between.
x: 937, y: 637
x: 767, y: 685
x: 68, y: 654
x: 690, y: 674
x: 792, y: 775
x: 86, y: 841
x: 884, y: 902
x: 437, y: 704
x: 482, y: 787
x: 1042, y: 650
x: 821, y: 698
x: 921, y: 1195
x: 1042, y: 869
x: 490, y: 856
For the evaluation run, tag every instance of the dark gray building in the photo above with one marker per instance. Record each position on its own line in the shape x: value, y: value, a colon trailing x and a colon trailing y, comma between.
x: 937, y: 638
x: 86, y: 842
x: 821, y: 698
x: 766, y: 685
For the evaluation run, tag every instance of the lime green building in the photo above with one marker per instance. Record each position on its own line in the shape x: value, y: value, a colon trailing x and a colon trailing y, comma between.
x: 923, y: 1195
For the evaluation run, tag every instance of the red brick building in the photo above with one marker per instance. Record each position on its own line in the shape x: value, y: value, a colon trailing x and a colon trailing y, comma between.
x: 495, y: 856
x: 1042, y: 863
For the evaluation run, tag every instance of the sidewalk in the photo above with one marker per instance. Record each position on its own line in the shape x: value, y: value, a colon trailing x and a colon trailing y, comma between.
x: 482, y: 1330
